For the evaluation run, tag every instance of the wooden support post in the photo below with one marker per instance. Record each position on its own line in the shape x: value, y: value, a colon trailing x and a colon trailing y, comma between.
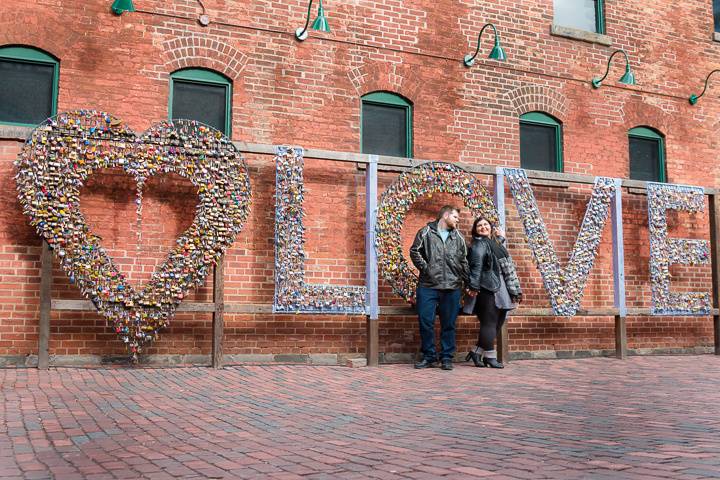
x: 503, y: 345
x: 714, y: 201
x: 371, y: 268
x: 620, y: 337
x: 218, y: 325
x: 373, y: 343
x: 45, y: 303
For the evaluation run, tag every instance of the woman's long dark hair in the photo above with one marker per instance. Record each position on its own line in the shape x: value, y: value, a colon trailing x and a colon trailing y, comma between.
x: 475, y: 224
x: 498, y: 248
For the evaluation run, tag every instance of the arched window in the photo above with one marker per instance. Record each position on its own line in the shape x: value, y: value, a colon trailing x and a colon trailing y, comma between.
x: 540, y: 142
x: 386, y: 125
x: 28, y: 86
x: 202, y: 95
x: 647, y: 154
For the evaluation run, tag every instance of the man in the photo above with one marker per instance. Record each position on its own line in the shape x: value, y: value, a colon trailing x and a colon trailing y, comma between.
x: 440, y: 254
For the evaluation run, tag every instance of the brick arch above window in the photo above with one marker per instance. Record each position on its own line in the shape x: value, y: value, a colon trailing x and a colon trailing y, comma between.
x: 641, y: 114
x: 538, y: 98
x: 203, y: 52
x: 373, y: 77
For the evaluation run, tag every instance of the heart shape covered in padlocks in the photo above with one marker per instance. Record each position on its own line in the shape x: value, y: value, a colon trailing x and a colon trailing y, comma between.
x: 57, y: 160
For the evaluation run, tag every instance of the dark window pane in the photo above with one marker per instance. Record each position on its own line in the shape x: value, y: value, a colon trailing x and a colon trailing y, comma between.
x: 716, y: 14
x: 578, y: 14
x: 384, y: 130
x: 202, y: 102
x: 644, y: 159
x: 26, y: 91
x: 538, y: 147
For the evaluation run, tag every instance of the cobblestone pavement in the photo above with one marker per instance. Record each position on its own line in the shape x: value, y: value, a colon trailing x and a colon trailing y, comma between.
x: 600, y: 418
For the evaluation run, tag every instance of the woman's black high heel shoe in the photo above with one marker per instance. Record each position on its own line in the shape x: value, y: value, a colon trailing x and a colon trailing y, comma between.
x: 475, y: 358
x: 492, y: 363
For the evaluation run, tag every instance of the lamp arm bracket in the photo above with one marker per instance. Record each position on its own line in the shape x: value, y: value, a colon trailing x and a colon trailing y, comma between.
x: 477, y: 50
x: 707, y: 79
x: 607, y: 70
x: 307, y: 22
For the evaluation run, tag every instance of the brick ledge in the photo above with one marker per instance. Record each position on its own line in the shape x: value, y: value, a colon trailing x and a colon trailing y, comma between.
x: 12, y: 132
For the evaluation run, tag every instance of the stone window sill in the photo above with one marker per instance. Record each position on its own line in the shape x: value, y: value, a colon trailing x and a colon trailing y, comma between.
x: 716, y: 36
x: 12, y: 132
x: 582, y: 35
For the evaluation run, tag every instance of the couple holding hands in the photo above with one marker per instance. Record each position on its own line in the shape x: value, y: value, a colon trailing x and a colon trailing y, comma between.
x: 446, y: 264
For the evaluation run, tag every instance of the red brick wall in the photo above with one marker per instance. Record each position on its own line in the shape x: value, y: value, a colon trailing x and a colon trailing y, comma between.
x: 308, y: 94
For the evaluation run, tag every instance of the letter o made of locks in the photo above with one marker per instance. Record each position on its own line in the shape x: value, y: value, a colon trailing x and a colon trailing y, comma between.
x: 423, y: 180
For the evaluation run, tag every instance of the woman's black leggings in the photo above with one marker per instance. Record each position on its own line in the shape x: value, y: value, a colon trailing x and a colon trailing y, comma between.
x: 491, y: 319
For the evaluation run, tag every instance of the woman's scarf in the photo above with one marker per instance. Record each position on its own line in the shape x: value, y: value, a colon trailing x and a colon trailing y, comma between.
x: 495, y: 246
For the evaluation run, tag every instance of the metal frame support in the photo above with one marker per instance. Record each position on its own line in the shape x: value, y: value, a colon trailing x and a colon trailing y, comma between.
x: 371, y: 268
x: 503, y: 346
x: 499, y: 194
x: 618, y: 249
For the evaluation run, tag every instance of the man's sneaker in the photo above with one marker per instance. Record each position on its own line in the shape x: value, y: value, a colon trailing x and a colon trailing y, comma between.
x: 425, y: 363
x: 447, y: 364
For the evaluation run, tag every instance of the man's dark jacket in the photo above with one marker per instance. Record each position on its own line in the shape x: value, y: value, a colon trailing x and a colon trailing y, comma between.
x: 442, y: 265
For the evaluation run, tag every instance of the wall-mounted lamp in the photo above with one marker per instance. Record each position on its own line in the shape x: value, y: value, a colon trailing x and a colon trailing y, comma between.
x: 121, y: 6
x: 628, y: 78
x: 694, y: 98
x: 497, y: 53
x: 320, y: 22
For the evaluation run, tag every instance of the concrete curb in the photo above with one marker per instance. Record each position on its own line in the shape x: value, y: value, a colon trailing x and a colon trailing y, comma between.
x: 352, y: 360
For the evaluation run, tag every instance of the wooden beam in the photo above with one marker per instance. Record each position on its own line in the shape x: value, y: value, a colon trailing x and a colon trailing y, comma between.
x: 248, y: 308
x: 714, y: 202
x: 620, y: 337
x: 503, y: 344
x: 402, y: 162
x: 87, y: 305
x: 218, y: 324
x: 261, y: 308
x: 45, y: 306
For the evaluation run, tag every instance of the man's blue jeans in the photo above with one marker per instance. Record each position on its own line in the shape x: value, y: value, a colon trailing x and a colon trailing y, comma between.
x: 447, y: 305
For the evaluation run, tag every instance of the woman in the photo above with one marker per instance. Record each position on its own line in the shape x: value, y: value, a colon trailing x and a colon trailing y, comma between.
x: 494, y: 289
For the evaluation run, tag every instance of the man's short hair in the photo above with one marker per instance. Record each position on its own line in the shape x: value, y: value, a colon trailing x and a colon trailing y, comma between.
x: 446, y: 209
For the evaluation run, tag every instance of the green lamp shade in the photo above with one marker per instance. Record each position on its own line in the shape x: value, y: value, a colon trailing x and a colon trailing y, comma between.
x: 121, y: 6
x: 321, y: 22
x: 628, y: 78
x: 497, y: 53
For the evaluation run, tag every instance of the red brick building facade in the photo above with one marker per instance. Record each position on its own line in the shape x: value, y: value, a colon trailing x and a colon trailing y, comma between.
x: 308, y: 94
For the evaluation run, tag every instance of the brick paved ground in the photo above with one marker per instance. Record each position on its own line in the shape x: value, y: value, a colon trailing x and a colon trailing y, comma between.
x: 649, y: 417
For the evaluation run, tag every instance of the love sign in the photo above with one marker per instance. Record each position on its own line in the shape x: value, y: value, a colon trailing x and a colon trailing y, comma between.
x: 63, y: 152
x: 57, y: 160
